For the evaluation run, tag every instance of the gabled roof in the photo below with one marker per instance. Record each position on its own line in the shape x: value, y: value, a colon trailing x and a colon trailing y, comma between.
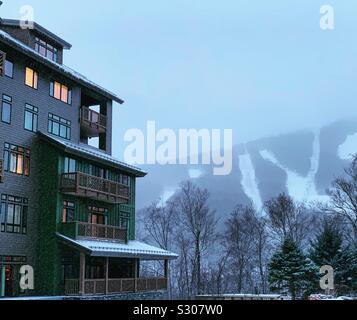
x: 131, y: 249
x: 60, y: 68
x: 91, y: 153
x: 40, y: 30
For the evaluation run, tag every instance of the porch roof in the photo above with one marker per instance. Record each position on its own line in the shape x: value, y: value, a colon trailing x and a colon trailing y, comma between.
x: 88, y: 152
x: 132, y: 249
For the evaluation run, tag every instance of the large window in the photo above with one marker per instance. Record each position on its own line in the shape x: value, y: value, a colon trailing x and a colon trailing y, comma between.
x: 6, y: 107
x: 13, y: 214
x: 46, y: 50
x: 9, y: 69
x: 98, y: 215
x: 31, y: 118
x: 68, y: 211
x: 59, y: 126
x: 70, y: 165
x: 31, y: 78
x: 61, y: 92
x: 16, y: 159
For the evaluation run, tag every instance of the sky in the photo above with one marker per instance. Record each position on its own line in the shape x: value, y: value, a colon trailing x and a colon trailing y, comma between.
x: 258, y: 67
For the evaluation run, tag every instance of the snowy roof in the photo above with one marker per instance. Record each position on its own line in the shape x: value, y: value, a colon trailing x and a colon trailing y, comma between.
x: 87, y: 151
x: 41, y: 30
x: 132, y: 249
x: 74, y: 75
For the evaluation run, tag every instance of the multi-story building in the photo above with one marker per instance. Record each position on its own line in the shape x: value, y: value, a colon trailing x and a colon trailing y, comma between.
x: 67, y: 207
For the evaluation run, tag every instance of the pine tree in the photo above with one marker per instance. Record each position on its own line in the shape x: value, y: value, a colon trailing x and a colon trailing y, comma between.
x: 328, y: 249
x: 290, y: 270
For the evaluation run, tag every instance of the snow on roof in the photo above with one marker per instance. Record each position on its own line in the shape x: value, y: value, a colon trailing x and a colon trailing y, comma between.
x: 88, y: 151
x: 131, y: 249
x: 59, y: 67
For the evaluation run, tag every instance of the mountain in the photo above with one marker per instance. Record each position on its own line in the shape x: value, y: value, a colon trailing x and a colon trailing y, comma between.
x: 302, y: 164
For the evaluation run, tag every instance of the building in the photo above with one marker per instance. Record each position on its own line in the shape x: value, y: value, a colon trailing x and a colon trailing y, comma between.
x: 67, y: 207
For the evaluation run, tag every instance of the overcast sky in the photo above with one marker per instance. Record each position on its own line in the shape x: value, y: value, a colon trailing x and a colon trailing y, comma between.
x: 259, y: 67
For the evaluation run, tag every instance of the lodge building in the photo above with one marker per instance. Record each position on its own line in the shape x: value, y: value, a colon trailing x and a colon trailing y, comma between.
x: 67, y: 206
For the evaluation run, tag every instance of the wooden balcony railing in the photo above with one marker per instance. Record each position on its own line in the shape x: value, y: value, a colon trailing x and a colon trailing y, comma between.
x: 85, y: 185
x: 92, y: 123
x: 78, y: 230
x: 115, y: 286
x: 1, y: 171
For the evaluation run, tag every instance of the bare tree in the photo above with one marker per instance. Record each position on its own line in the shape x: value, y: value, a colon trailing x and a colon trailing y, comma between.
x: 288, y: 218
x: 343, y: 195
x: 159, y: 221
x: 198, y: 225
x: 246, y: 243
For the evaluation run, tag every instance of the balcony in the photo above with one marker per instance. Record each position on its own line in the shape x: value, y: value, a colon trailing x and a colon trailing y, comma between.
x: 88, y: 186
x: 92, y: 123
x: 1, y: 171
x: 82, y: 230
x: 115, y: 286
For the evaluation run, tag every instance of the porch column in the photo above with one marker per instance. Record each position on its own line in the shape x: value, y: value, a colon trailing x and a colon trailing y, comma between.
x: 166, y: 273
x: 136, y: 275
x: 106, y: 275
x: 82, y: 272
x: 2, y: 278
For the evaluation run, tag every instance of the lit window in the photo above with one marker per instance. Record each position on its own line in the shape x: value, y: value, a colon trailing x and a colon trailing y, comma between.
x: 17, y: 159
x: 31, y: 78
x: 68, y: 211
x: 60, y: 92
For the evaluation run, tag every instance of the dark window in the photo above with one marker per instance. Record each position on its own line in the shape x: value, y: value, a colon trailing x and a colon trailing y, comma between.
x: 31, y: 118
x: 68, y: 211
x: 59, y: 126
x: 31, y: 78
x: 124, y: 179
x: 69, y: 165
x: 13, y: 214
x: 6, y: 109
x: 17, y: 159
x: 60, y: 92
x: 46, y: 50
x: 9, y: 69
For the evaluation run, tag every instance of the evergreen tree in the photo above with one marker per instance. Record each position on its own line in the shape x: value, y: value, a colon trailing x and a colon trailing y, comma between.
x: 290, y: 270
x: 328, y: 249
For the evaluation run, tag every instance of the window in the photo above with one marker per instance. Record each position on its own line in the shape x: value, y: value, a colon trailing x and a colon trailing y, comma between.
x: 9, y: 69
x: 31, y: 118
x: 68, y: 211
x: 31, y: 78
x: 6, y: 108
x: 59, y: 126
x: 69, y: 165
x: 124, y: 180
x: 46, y: 50
x: 98, y: 215
x: 13, y: 214
x: 17, y: 159
x: 61, y: 92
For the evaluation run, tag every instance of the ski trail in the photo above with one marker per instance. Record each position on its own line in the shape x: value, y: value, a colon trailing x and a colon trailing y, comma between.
x: 249, y: 181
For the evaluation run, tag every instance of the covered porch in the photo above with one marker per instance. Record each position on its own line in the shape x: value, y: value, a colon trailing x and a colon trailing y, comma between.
x: 109, y: 268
